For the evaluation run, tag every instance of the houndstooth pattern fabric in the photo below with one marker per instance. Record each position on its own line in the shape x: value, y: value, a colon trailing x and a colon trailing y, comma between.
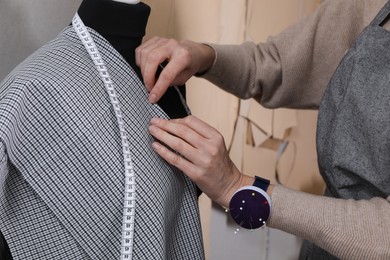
x: 61, y: 162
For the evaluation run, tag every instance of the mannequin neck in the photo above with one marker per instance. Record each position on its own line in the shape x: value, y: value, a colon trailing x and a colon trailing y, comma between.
x: 132, y: 2
x: 121, y: 24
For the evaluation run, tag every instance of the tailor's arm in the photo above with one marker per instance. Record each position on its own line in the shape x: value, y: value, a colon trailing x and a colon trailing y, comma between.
x: 186, y: 58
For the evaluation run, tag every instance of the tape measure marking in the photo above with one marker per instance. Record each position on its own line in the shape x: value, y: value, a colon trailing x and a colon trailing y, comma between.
x: 127, y: 239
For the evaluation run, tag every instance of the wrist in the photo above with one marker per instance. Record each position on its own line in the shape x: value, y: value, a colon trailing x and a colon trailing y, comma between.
x: 244, y: 181
x: 239, y: 181
x: 270, y: 190
x: 250, y: 205
x: 207, y: 54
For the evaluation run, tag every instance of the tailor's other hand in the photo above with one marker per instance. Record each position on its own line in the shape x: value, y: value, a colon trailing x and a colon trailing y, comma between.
x: 184, y: 59
x: 203, y: 156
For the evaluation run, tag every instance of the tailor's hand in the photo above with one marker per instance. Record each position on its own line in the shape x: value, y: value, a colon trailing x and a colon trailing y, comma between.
x: 203, y: 156
x: 184, y: 59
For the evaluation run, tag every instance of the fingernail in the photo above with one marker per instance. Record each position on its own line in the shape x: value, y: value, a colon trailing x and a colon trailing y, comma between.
x: 152, y: 129
x: 155, y: 146
x: 152, y: 98
x: 153, y: 120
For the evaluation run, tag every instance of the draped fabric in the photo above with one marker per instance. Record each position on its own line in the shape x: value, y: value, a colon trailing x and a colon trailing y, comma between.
x: 61, y: 163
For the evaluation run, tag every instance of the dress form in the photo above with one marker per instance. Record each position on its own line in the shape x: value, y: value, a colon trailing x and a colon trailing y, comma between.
x: 123, y: 43
x: 123, y: 24
x: 132, y: 2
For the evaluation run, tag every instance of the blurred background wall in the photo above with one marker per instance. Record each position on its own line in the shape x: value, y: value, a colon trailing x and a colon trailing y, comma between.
x: 26, y: 25
x: 255, y: 135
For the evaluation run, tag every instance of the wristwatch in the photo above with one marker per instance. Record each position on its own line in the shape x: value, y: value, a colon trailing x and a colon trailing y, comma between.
x: 250, y: 206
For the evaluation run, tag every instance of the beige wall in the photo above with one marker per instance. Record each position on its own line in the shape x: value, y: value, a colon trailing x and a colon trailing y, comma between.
x: 226, y: 21
x: 220, y: 21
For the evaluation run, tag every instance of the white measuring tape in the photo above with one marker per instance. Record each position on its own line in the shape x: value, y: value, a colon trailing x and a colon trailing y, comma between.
x: 129, y: 198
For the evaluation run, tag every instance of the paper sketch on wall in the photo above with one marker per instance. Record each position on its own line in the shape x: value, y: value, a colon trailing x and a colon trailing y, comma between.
x: 260, y: 127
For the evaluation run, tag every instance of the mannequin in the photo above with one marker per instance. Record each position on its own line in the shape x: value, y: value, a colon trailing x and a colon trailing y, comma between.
x: 62, y: 156
x: 124, y: 25
x: 132, y: 2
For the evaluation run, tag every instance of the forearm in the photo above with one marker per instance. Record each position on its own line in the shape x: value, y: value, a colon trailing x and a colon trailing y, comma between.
x: 348, y: 229
x: 293, y: 68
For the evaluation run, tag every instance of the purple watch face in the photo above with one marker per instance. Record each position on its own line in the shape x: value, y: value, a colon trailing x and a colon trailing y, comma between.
x: 249, y: 209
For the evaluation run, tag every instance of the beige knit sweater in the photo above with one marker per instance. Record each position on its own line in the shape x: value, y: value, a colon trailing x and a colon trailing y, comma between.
x: 292, y: 69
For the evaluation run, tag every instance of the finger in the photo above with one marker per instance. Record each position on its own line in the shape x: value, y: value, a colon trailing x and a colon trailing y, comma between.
x: 150, y: 54
x: 150, y: 58
x: 178, y: 144
x: 176, y: 160
x: 178, y: 63
x: 149, y: 71
x: 177, y: 60
x: 177, y: 129
x: 166, y: 79
x: 187, y: 142
x: 199, y: 126
x: 142, y: 49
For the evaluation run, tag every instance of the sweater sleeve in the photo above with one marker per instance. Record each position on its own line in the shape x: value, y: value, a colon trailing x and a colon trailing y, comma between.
x: 348, y: 229
x: 293, y: 68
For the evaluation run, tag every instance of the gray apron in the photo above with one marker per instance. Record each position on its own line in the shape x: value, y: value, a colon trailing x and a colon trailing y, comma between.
x: 353, y: 131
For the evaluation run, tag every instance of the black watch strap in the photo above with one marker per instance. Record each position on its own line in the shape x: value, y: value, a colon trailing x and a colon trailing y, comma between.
x: 261, y: 183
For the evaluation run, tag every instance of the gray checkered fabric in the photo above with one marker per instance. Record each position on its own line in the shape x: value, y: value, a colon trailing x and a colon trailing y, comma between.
x: 61, y: 162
